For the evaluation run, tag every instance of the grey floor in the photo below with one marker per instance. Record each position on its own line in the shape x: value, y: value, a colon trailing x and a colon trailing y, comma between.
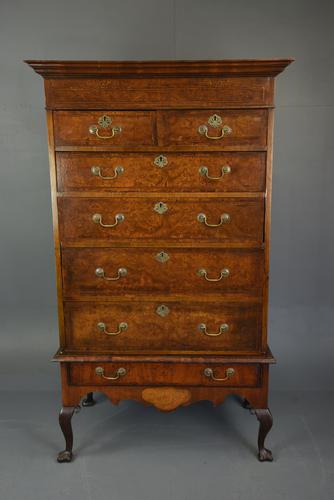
x: 130, y: 452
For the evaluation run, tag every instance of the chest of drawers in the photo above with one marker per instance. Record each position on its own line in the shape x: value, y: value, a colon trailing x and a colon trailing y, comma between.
x: 161, y: 189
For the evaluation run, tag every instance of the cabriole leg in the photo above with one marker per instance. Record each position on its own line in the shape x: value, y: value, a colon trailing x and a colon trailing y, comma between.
x: 65, y: 417
x: 89, y: 400
x: 266, y: 421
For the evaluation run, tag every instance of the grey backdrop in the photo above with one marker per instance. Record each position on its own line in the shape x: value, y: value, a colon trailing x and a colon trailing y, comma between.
x: 301, y: 299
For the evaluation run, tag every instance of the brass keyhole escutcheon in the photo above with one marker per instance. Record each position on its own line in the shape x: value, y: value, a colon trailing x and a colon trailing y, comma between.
x: 162, y: 310
x: 215, y: 121
x: 160, y: 161
x: 162, y: 257
x: 104, y: 121
x: 161, y: 207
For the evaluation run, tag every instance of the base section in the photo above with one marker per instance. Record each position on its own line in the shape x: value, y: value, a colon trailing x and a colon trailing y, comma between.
x: 167, y: 386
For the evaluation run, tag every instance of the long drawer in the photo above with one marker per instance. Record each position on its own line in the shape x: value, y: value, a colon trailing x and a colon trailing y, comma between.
x: 168, y: 217
x: 158, y: 92
x: 145, y: 373
x: 211, y: 172
x: 116, y: 271
x: 162, y: 326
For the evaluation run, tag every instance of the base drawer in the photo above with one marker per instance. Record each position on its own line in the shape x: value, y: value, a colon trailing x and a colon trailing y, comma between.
x: 148, y: 373
x: 137, y: 326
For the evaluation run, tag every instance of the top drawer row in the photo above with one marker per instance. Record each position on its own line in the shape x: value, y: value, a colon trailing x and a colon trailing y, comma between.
x: 227, y: 129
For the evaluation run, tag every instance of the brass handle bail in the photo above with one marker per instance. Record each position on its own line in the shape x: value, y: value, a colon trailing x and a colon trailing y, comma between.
x: 204, y: 172
x: 121, y: 273
x: 224, y: 273
x: 119, y: 373
x: 222, y: 329
x: 208, y: 372
x: 97, y: 218
x: 122, y: 327
x: 224, y: 219
x: 119, y: 170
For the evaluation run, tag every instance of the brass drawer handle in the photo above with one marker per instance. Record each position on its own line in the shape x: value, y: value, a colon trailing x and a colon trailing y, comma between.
x: 204, y: 172
x: 97, y: 218
x: 104, y: 121
x: 208, y: 372
x: 120, y: 274
x: 119, y: 373
x: 224, y: 219
x: 222, y: 329
x: 224, y: 273
x: 119, y: 170
x: 122, y: 327
x: 214, y: 121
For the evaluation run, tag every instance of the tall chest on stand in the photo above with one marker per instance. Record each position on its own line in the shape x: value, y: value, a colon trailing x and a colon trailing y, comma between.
x: 161, y: 191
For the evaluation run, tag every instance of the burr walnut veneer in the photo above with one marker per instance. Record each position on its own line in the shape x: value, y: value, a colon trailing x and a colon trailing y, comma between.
x: 161, y: 189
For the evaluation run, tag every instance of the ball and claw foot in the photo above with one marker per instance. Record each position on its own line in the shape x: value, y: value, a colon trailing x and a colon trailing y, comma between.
x: 64, y: 456
x: 265, y: 455
x: 89, y: 400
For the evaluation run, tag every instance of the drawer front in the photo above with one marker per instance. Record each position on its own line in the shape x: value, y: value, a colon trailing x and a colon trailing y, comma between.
x: 119, y: 218
x: 168, y: 326
x: 127, y: 373
x: 214, y: 172
x: 158, y: 92
x: 224, y: 128
x: 98, y: 128
x: 116, y: 271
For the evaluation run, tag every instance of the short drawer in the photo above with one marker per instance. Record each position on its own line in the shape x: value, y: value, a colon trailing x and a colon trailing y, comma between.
x: 162, y: 326
x: 109, y: 128
x: 150, y: 374
x: 211, y: 172
x: 116, y: 271
x: 167, y: 218
x: 223, y: 128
